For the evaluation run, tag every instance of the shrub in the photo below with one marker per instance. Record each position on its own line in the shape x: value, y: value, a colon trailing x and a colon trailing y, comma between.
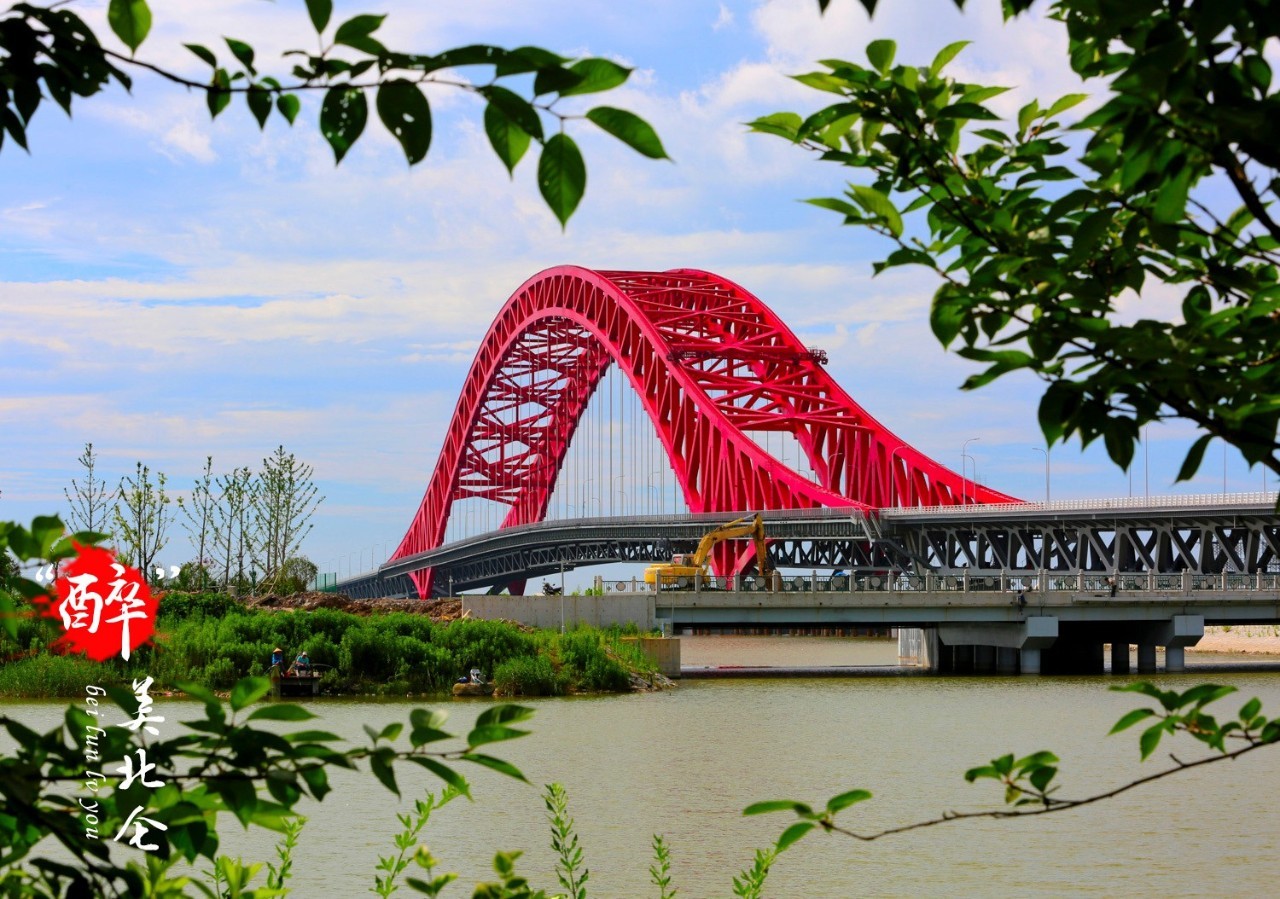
x: 528, y: 676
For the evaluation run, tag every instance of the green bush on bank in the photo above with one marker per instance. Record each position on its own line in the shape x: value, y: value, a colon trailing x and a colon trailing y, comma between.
x: 212, y: 639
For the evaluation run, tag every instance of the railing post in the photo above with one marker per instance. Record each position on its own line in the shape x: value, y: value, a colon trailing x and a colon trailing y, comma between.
x: 813, y: 580
x: 1186, y: 581
x: 966, y: 580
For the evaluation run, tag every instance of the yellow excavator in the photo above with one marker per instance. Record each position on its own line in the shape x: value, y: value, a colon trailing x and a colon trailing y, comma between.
x: 679, y: 573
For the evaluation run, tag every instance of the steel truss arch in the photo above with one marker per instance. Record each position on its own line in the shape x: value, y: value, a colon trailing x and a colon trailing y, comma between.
x: 709, y: 361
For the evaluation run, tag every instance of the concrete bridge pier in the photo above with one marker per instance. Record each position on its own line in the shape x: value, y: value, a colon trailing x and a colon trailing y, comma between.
x: 992, y: 646
x: 1146, y: 658
x: 1120, y: 656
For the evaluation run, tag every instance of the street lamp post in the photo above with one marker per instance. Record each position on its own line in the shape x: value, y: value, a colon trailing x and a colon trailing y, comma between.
x: 562, y: 596
x: 621, y: 491
x: 963, y: 455
x: 1046, y: 471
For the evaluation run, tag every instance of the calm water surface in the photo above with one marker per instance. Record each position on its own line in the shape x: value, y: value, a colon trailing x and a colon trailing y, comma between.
x: 685, y: 762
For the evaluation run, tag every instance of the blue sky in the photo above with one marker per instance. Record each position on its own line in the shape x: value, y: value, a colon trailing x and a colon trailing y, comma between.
x: 172, y: 287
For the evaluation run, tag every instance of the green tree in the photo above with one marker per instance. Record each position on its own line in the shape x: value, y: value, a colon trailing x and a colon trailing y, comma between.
x: 286, y: 499
x: 233, y: 526
x: 89, y: 501
x: 142, y: 517
x: 48, y: 52
x: 198, y: 521
x: 1037, y: 228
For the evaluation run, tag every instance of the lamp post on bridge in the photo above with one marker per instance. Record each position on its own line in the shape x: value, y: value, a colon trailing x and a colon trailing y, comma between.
x: 965, y: 455
x: 562, y: 596
x: 1046, y: 472
x: 622, y: 492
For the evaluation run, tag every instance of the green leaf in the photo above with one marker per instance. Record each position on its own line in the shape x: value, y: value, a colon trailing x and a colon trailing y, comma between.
x: 493, y: 733
x: 130, y: 20
x: 508, y: 139
x: 249, y: 690
x: 779, y: 805
x: 629, y: 128
x: 1250, y: 709
x: 259, y: 101
x: 343, y: 115
x: 516, y: 108
x: 878, y: 205
x: 281, y: 712
x: 320, y: 11
x: 204, y: 53
x: 1027, y: 114
x: 289, y: 105
x: 1191, y: 464
x: 504, y: 713
x: 1150, y: 739
x: 405, y: 112
x: 844, y: 800
x: 782, y: 124
x: 494, y: 764
x: 241, y: 51
x: 562, y: 176
x: 1203, y: 694
x: 1171, y: 199
x: 1130, y: 719
x: 445, y: 773
x: 356, y: 31
x: 793, y: 833
x: 1042, y: 776
x: 383, y: 771
x: 946, y: 54
x: 967, y: 111
x: 218, y: 96
x: 597, y: 75
x: 881, y: 54
x: 1062, y: 104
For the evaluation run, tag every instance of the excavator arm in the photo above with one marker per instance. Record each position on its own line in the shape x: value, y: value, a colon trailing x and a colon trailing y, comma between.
x: 742, y: 527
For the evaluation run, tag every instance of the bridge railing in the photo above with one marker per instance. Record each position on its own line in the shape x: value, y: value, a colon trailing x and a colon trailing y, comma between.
x: 1100, y: 584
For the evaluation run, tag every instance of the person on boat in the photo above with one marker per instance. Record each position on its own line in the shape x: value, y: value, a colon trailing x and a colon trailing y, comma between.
x: 476, y: 677
x: 302, y: 664
x: 277, y: 658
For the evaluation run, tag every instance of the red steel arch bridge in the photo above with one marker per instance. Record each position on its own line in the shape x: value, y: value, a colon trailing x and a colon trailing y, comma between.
x: 589, y: 385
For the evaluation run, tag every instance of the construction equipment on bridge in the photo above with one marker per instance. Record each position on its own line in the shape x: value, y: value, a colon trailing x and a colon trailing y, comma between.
x: 683, y: 569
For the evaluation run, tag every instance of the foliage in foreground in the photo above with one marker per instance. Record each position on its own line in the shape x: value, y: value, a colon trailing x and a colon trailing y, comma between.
x: 49, y: 52
x: 1038, y: 232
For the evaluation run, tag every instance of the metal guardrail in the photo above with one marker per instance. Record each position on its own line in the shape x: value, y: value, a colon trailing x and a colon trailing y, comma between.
x: 1005, y: 582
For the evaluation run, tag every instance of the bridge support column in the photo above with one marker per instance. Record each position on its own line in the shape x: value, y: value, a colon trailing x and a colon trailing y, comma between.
x: 1175, y: 635
x: 984, y: 659
x: 1119, y: 656
x: 1146, y: 658
x: 1030, y: 661
x: 977, y: 646
x: 1006, y: 660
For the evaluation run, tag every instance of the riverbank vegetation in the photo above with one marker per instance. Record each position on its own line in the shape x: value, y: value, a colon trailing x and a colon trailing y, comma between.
x: 214, y: 639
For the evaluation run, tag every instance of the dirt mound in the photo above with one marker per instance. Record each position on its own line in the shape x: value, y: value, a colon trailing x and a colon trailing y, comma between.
x: 437, y: 609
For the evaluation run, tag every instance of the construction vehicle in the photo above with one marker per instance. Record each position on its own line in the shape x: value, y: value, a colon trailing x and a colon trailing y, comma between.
x: 684, y: 568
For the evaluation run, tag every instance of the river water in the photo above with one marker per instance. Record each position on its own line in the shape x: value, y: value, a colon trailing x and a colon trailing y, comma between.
x: 685, y: 762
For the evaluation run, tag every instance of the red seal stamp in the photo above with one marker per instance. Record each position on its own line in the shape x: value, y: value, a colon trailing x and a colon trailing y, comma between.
x: 105, y: 607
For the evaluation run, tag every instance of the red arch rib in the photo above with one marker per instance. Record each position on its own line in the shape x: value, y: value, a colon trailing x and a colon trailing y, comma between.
x: 709, y: 361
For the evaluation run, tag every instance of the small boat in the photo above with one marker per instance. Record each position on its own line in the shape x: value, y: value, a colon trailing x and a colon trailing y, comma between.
x: 284, y: 684
x: 470, y: 689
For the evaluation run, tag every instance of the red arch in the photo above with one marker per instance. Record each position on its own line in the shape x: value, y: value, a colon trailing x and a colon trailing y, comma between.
x: 709, y: 362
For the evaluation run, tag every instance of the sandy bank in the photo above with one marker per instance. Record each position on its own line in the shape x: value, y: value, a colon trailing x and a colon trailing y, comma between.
x: 1253, y: 639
